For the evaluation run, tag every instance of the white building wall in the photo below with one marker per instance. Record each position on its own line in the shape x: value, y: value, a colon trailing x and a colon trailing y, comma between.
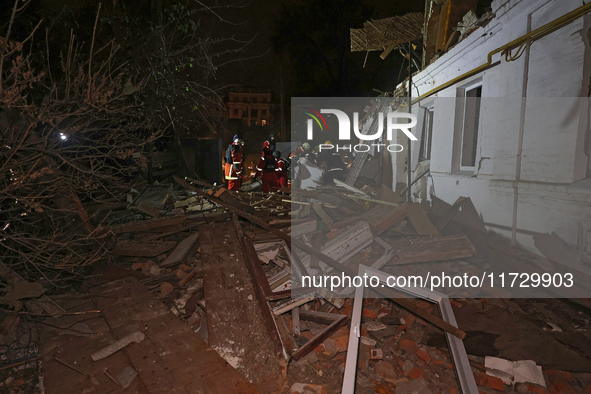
x: 538, y: 95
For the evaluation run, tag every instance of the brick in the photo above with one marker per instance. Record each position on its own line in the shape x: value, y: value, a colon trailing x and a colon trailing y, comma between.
x: 383, y: 388
x: 301, y: 388
x: 481, y: 379
x: 407, y: 345
x: 438, y: 362
x: 385, y: 369
x: 370, y: 313
x: 423, y: 355
x: 180, y: 274
x: 409, y: 321
x: 341, y: 338
x: 415, y: 373
x: 495, y: 383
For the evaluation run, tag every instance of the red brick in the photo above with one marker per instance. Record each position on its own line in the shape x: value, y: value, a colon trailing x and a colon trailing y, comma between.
x: 372, y: 314
x: 480, y: 378
x: 364, y: 332
x: 409, y: 321
x: 415, y: 373
x: 495, y: 383
x: 341, y: 338
x: 408, y: 345
x: 438, y: 362
x: 385, y: 369
x: 383, y: 388
x: 423, y: 355
x: 455, y: 303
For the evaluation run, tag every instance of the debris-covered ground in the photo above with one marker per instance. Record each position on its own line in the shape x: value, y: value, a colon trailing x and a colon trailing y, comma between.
x: 197, y: 297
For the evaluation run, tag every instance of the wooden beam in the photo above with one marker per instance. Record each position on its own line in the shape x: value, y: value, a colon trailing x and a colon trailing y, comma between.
x: 320, y: 337
x: 449, y: 215
x: 420, y: 221
x: 145, y: 225
x: 435, y: 248
x: 142, y: 248
x: 181, y: 252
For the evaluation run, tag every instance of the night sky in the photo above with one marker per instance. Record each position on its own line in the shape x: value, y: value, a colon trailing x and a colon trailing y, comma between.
x: 258, y: 63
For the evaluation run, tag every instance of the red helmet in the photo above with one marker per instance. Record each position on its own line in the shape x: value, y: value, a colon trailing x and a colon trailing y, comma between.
x: 266, y: 145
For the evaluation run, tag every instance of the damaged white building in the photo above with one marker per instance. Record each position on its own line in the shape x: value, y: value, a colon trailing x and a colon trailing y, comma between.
x: 503, y: 117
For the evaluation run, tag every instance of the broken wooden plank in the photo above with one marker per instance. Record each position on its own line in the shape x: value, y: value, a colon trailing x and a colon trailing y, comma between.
x: 149, y: 209
x: 338, y: 322
x: 420, y: 221
x: 382, y: 217
x: 133, y: 248
x: 289, y: 305
x: 436, y: 248
x: 136, y: 337
x: 179, y: 254
x: 449, y: 215
x: 325, y: 218
x: 145, y: 225
x: 295, y: 319
x: 303, y: 228
x: 467, y: 216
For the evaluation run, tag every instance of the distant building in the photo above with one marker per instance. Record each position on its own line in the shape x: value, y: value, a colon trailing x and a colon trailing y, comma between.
x: 251, y: 105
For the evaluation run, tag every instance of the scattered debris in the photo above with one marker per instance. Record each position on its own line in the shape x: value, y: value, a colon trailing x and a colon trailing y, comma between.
x: 136, y: 337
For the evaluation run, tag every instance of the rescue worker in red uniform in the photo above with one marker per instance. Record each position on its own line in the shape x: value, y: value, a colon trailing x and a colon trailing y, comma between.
x: 228, y: 158
x: 267, y: 167
x: 281, y: 169
x: 234, y: 168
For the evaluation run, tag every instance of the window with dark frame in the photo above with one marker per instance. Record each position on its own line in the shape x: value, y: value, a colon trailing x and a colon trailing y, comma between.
x: 426, y: 135
x: 470, y: 126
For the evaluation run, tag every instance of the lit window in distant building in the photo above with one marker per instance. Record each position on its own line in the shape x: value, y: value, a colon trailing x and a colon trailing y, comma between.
x: 263, y: 122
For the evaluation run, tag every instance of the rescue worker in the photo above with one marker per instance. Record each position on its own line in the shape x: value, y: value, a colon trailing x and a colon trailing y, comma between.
x: 228, y: 157
x: 272, y: 142
x: 267, y: 167
x: 301, y: 151
x: 234, y: 166
x: 332, y: 164
x: 281, y: 169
